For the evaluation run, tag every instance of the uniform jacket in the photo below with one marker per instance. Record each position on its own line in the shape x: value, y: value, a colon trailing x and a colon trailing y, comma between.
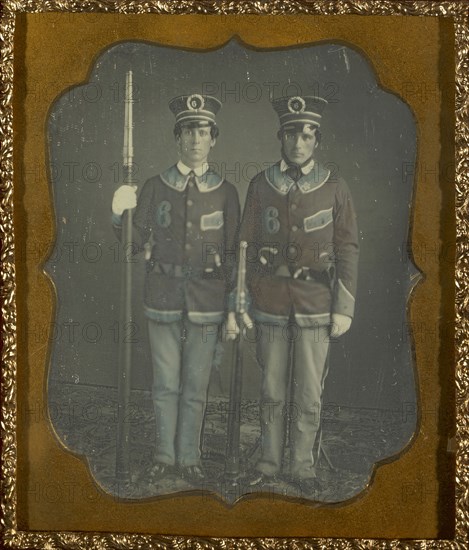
x: 310, y: 224
x: 187, y: 221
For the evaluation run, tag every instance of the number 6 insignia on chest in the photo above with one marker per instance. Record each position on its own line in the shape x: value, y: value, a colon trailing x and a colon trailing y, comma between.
x: 270, y: 220
x: 163, y: 216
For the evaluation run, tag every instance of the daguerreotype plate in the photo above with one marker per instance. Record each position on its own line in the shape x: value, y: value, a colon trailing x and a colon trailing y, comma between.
x: 299, y: 164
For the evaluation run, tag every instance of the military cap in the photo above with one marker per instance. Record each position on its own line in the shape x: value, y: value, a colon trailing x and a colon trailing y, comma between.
x: 299, y: 109
x: 195, y: 108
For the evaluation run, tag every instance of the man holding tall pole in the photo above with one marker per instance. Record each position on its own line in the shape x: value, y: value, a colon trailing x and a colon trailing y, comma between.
x: 299, y: 223
x: 190, y: 216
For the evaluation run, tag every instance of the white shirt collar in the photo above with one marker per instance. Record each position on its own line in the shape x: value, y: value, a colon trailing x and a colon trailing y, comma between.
x: 306, y: 169
x: 199, y: 171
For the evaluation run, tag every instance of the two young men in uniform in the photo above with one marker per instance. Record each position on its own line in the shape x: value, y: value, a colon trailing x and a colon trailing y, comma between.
x: 300, y: 223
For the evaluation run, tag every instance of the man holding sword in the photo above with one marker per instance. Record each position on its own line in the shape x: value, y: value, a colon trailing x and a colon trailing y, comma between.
x: 189, y: 214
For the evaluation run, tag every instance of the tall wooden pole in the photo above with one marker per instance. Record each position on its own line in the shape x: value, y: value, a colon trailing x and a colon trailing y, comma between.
x: 125, y: 343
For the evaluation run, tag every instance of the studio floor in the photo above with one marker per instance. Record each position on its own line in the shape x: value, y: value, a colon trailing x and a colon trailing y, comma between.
x: 353, y: 440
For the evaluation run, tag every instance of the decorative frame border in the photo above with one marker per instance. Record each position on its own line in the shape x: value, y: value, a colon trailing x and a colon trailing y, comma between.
x: 460, y: 12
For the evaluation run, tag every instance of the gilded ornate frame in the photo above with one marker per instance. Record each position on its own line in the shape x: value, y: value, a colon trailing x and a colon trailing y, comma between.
x: 15, y: 538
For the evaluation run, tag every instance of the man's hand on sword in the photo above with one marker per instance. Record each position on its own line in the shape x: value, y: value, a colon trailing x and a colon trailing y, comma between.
x: 232, y: 328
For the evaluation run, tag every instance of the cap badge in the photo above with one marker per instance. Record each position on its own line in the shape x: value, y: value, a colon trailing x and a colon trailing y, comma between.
x: 296, y: 104
x: 195, y: 102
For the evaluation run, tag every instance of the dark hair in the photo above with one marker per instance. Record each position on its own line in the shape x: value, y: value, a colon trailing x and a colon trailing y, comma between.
x: 178, y: 128
x: 317, y: 133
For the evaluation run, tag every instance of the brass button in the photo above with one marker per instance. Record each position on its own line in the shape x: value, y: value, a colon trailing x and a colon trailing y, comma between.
x: 190, y: 202
x: 187, y: 246
x: 293, y: 206
x: 294, y: 228
x: 191, y: 183
x: 292, y: 250
x: 189, y: 224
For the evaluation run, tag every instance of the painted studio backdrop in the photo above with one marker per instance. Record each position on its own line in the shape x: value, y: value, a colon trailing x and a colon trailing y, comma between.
x: 368, y: 137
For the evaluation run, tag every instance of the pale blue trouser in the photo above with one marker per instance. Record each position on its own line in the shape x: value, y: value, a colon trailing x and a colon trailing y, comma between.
x: 303, y: 406
x: 182, y: 362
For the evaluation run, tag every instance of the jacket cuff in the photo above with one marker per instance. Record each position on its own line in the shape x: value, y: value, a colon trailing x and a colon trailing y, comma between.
x: 344, y: 302
x: 116, y: 219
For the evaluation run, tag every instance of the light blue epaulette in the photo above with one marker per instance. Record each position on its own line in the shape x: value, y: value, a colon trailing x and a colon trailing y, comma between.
x: 282, y: 182
x: 173, y: 178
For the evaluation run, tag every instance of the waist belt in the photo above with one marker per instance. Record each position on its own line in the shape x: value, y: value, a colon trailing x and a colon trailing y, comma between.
x: 187, y: 271
x: 304, y: 274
